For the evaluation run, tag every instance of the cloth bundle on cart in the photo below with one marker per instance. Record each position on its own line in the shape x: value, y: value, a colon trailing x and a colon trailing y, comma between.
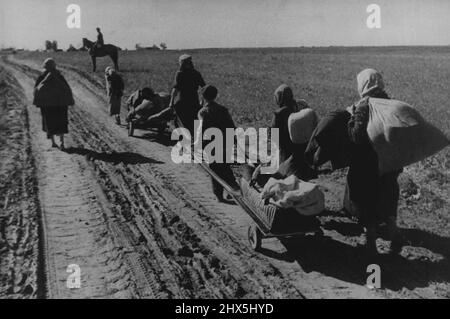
x: 306, y: 198
x: 276, y: 220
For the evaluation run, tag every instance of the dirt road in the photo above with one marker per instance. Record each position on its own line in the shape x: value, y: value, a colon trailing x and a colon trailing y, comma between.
x: 139, y: 225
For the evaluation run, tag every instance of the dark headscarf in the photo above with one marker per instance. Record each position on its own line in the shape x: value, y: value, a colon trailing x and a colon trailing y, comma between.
x: 284, y: 96
x: 185, y: 62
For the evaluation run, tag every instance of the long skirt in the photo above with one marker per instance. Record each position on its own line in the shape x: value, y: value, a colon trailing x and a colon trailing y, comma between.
x: 54, y: 120
x: 187, y: 112
x: 114, y: 104
x: 371, y: 197
x: 223, y: 170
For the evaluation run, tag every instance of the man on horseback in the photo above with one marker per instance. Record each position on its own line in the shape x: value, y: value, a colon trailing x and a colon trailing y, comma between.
x: 100, y: 49
x: 100, y: 41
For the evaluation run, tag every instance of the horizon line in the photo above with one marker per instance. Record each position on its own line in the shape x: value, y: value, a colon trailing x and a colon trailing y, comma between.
x: 4, y: 48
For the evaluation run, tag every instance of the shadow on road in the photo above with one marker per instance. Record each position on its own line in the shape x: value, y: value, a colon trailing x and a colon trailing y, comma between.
x: 415, y: 268
x: 113, y: 157
x: 163, y: 139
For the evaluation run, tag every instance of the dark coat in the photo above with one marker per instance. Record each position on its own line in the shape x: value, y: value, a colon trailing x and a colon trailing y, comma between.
x: 187, y: 82
x: 217, y: 116
x: 373, y: 197
x: 186, y: 102
x: 330, y: 141
x: 52, y: 94
x: 52, y: 89
x: 100, y: 40
x: 114, y: 85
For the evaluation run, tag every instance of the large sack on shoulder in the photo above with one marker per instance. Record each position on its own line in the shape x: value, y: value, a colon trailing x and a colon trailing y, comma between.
x: 53, y: 91
x: 400, y: 135
x: 301, y: 125
x: 291, y: 192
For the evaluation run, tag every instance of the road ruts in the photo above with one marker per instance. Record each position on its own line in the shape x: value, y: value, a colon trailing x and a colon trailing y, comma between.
x: 74, y: 227
x: 174, y: 238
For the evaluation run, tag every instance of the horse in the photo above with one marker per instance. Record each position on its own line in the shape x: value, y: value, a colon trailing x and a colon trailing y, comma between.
x: 107, y: 49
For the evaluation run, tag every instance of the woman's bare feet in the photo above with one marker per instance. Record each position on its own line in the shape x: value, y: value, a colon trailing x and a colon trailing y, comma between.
x: 52, y: 138
x: 397, y: 240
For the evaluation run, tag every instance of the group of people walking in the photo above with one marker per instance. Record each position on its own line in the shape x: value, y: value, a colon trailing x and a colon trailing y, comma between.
x: 339, y: 137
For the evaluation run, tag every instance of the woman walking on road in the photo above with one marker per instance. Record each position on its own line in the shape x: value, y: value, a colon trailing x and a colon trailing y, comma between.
x: 184, y: 97
x: 114, y: 91
x: 52, y: 94
x: 374, y: 196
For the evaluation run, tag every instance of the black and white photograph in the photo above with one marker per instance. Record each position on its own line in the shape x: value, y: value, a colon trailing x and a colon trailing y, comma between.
x: 224, y: 155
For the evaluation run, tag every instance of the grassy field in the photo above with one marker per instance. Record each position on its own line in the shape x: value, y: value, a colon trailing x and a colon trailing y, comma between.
x: 325, y: 77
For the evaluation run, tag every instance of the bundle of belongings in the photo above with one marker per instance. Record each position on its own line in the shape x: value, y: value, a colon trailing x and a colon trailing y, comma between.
x: 400, y: 135
x: 276, y: 220
x: 142, y: 109
x: 306, y: 198
x: 301, y: 125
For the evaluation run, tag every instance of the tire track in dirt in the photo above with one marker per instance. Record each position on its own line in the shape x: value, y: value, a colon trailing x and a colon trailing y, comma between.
x: 21, y: 274
x: 163, y: 214
x: 74, y: 230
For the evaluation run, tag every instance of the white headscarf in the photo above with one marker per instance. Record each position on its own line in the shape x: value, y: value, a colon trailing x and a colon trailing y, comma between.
x: 109, y: 70
x: 369, y: 80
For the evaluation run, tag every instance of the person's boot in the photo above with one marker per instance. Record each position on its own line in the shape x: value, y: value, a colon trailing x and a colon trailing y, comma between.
x: 118, y: 119
x: 371, y: 242
x: 62, y: 147
x: 53, y: 141
x: 396, y: 238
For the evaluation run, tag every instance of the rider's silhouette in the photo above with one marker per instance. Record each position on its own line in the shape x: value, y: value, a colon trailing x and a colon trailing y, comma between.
x: 99, y: 42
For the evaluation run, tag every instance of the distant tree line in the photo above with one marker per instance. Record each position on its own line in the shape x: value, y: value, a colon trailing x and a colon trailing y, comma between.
x: 53, y: 46
x: 162, y: 46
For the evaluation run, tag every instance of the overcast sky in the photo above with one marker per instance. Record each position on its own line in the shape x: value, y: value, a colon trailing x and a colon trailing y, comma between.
x: 186, y: 24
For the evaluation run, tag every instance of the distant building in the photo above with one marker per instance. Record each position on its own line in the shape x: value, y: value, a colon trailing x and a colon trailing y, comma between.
x: 153, y: 47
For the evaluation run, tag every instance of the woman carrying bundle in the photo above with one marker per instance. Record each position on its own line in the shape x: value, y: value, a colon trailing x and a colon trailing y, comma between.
x: 52, y: 94
x: 368, y: 190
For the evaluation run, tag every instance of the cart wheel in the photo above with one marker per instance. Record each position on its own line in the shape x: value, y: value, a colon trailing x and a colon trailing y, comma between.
x: 254, y: 237
x: 130, y: 128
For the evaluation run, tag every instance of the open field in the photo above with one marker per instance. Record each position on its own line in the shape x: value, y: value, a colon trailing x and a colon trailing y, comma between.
x: 325, y: 77
x: 152, y: 228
